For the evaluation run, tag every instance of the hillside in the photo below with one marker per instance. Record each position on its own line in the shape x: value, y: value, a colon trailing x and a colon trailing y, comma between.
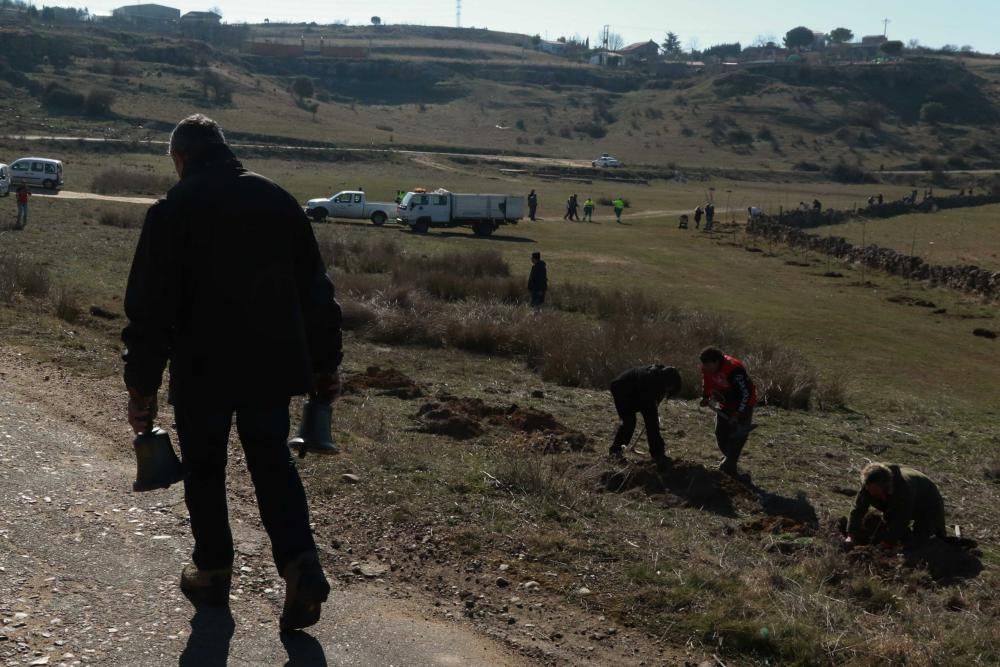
x: 476, y: 90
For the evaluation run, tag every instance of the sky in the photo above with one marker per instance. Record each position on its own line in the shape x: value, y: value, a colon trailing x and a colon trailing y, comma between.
x: 699, y: 23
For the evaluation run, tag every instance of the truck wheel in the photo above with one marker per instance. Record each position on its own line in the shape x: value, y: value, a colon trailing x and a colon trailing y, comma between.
x: 421, y: 227
x: 49, y: 184
x: 319, y: 214
x: 379, y: 218
x: 483, y: 229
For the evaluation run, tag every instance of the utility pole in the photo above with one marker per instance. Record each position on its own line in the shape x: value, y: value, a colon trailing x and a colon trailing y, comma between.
x: 885, y: 27
x: 458, y: 13
x: 606, y: 37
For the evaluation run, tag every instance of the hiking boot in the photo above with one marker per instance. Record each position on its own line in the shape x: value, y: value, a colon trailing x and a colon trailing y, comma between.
x: 306, y: 589
x: 728, y: 467
x: 206, y: 587
x: 662, y: 461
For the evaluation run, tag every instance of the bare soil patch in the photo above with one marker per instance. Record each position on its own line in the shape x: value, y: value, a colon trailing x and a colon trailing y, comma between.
x: 387, y: 382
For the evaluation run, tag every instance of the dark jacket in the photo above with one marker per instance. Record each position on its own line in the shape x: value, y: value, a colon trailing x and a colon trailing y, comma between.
x: 645, y: 386
x: 915, y: 498
x: 538, y: 280
x: 228, y: 285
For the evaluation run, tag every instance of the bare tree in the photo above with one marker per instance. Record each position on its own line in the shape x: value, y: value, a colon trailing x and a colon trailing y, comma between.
x: 615, y: 41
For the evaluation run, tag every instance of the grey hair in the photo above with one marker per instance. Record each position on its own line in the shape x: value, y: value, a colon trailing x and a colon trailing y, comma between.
x: 194, y: 134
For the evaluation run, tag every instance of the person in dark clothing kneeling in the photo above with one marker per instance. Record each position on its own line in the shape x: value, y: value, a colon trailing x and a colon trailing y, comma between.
x: 641, y: 390
x: 228, y: 286
x: 538, y: 280
x: 726, y: 381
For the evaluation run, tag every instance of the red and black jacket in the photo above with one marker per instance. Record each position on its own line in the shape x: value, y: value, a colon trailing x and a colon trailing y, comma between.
x: 731, y: 386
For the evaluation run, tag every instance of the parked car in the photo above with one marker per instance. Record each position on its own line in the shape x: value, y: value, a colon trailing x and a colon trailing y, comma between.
x: 353, y: 205
x: 4, y: 180
x: 484, y: 213
x: 37, y: 172
x: 606, y: 161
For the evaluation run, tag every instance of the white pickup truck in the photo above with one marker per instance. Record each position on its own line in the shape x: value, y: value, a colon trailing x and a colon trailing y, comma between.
x: 484, y: 213
x: 352, y: 205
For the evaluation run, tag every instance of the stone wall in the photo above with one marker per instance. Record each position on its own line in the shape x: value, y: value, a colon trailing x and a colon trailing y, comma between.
x: 892, y: 209
x: 968, y: 279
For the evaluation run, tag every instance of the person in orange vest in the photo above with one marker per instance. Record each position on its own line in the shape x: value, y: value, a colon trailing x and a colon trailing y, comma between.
x: 727, y: 384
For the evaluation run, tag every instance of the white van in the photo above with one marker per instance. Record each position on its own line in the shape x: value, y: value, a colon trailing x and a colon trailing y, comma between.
x: 4, y: 180
x: 37, y: 172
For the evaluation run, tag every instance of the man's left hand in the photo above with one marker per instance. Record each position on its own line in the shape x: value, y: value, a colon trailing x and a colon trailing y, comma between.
x: 141, y: 411
x: 328, y: 386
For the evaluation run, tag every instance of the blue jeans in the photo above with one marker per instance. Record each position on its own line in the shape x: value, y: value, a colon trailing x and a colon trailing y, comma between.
x: 203, y: 432
x: 22, y: 216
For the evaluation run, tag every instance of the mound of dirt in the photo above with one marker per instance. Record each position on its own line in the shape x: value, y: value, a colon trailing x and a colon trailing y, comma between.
x: 777, y: 525
x: 388, y: 382
x: 904, y: 300
x: 465, y: 418
x: 696, y: 485
x: 985, y: 333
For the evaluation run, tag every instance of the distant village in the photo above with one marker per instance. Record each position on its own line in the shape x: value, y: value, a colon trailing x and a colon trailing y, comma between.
x: 799, y: 44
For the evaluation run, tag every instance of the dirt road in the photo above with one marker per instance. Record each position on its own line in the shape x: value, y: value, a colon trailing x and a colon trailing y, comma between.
x: 88, y: 570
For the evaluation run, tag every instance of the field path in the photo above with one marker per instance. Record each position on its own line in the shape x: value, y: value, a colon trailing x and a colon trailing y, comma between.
x: 88, y: 570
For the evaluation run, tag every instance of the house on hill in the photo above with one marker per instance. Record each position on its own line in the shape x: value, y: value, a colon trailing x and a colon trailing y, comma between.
x: 647, y: 51
x: 147, y: 16
x: 552, y: 48
x: 869, y: 47
x: 200, y: 19
x: 607, y: 59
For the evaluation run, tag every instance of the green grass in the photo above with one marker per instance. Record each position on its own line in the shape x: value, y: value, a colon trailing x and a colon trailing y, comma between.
x: 953, y: 237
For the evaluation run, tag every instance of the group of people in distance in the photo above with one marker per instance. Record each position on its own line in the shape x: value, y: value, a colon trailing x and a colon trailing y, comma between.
x: 573, y: 207
x: 911, y: 506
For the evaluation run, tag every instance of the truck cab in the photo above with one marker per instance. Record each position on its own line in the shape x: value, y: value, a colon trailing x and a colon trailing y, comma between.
x: 419, y: 207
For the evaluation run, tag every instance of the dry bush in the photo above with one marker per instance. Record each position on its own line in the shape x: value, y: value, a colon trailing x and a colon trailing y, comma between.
x: 120, y: 218
x: 351, y: 252
x: 19, y: 276
x: 117, y: 180
x: 68, y: 308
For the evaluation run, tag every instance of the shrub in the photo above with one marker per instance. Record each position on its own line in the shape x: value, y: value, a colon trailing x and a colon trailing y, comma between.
x: 99, y: 102
x: 807, y: 166
x: 593, y: 130
x: 933, y: 113
x: 846, y: 173
x: 63, y: 99
x: 739, y: 137
x: 120, y: 218
x: 765, y: 133
x: 117, y: 180
x: 20, y: 277
x: 68, y: 308
x: 520, y: 125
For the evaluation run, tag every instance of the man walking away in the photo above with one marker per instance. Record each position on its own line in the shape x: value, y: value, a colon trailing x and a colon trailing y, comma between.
x: 572, y: 209
x: 538, y: 280
x: 22, y: 206
x: 588, y: 210
x: 726, y: 381
x: 709, y: 216
x: 228, y: 286
x: 619, y: 205
x: 904, y: 496
x: 532, y: 205
x: 698, y: 213
x: 642, y: 390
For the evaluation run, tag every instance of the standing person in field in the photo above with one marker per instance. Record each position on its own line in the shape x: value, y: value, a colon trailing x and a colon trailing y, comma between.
x: 727, y: 383
x: 619, y: 206
x: 572, y: 209
x: 709, y: 215
x: 698, y: 213
x: 229, y: 287
x: 22, y: 196
x: 588, y: 210
x: 532, y: 205
x: 641, y: 390
x: 538, y: 280
x: 904, y: 496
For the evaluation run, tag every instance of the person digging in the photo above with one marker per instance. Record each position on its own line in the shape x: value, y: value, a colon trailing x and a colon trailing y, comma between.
x: 641, y: 390
x: 727, y: 383
x: 904, y: 496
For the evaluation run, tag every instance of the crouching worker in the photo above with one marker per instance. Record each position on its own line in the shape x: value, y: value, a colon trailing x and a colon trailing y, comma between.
x: 726, y: 382
x: 229, y: 288
x: 903, y: 496
x: 641, y: 390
